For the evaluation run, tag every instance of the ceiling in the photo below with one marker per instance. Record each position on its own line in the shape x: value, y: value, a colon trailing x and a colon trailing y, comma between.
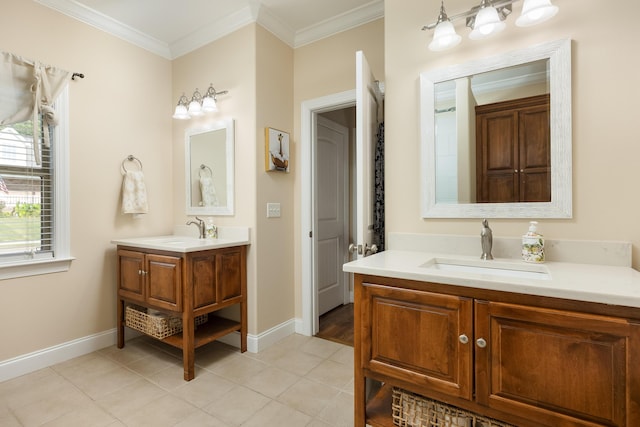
x: 172, y: 28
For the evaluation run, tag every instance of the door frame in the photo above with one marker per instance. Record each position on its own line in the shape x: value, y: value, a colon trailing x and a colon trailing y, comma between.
x: 310, y: 109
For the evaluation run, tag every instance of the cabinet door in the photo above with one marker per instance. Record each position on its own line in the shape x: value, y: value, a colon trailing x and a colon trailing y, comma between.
x: 130, y: 275
x: 216, y: 276
x: 163, y: 282
x: 415, y: 336
x: 556, y: 367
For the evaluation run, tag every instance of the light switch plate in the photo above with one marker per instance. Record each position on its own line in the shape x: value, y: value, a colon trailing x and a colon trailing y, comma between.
x: 273, y: 210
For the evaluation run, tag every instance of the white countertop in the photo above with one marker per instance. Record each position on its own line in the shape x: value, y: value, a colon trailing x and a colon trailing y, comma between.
x: 228, y: 237
x: 583, y: 282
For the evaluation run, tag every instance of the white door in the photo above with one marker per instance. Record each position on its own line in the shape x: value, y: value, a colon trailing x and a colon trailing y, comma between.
x: 332, y: 146
x: 368, y: 102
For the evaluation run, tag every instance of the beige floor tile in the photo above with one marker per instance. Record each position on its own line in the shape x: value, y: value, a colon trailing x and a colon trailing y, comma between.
x: 272, y: 381
x: 165, y: 411
x: 332, y: 373
x: 89, y: 415
x: 318, y: 423
x: 294, y: 361
x: 237, y: 405
x: 133, y: 350
x: 86, y: 367
x: 201, y: 419
x: 203, y: 389
x: 97, y: 386
x: 8, y: 420
x: 339, y: 412
x: 321, y: 348
x: 343, y: 355
x: 171, y: 377
x: 275, y: 414
x: 215, y: 354
x: 240, y: 369
x: 31, y: 388
x: 131, y: 397
x: 55, y: 405
x: 154, y: 362
x: 308, y: 396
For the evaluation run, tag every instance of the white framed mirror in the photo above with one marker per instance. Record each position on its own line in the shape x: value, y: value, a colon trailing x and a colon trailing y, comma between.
x: 209, y: 169
x: 453, y: 163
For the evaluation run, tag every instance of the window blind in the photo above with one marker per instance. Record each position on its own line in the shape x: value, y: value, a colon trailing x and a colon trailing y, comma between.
x: 26, y: 194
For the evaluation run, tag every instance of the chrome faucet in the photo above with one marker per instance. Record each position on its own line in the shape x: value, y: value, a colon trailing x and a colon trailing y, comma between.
x: 201, y: 227
x: 486, y: 239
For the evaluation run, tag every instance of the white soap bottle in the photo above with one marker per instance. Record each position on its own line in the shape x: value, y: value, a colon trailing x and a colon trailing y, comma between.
x: 533, y: 244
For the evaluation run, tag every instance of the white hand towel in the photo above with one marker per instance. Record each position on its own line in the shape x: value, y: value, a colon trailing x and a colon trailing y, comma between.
x: 134, y: 193
x: 208, y: 191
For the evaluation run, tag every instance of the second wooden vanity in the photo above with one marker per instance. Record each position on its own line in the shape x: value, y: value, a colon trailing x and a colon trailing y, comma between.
x: 187, y: 284
x: 525, y: 359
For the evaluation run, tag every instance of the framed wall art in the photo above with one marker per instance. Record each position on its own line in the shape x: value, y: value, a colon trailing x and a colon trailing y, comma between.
x: 277, y: 150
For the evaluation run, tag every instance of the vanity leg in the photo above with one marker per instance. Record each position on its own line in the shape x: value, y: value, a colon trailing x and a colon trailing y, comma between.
x: 120, y: 323
x: 188, y: 342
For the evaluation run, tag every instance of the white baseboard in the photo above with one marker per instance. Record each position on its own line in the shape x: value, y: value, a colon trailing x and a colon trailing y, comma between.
x: 44, y: 358
x: 24, y: 364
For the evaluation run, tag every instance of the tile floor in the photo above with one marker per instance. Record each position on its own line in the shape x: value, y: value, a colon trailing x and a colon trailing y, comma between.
x: 298, y: 382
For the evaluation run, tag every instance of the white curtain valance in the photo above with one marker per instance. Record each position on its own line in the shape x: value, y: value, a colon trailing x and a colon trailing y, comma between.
x: 28, y: 88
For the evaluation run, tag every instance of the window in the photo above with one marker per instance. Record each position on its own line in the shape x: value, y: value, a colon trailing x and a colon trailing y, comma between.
x: 34, y: 220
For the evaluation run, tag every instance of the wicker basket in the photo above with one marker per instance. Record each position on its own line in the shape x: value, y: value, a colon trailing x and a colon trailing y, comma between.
x: 158, y: 326
x: 412, y: 410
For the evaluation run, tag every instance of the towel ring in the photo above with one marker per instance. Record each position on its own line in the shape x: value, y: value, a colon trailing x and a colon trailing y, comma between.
x: 203, y: 168
x: 130, y: 158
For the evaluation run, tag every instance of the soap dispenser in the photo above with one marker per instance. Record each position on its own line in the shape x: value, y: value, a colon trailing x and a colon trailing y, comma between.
x: 212, y: 230
x: 533, y: 244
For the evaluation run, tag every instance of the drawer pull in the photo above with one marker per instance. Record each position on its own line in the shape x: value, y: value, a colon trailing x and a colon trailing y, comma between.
x: 481, y: 343
x: 463, y: 339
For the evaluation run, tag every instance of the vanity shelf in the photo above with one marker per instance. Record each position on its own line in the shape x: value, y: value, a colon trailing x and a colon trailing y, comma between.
x: 186, y: 284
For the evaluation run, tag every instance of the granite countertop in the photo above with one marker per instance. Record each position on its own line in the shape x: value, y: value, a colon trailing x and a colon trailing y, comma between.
x: 617, y: 285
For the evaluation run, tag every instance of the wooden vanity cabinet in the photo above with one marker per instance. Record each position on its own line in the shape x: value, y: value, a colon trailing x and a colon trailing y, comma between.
x: 525, y: 360
x: 189, y: 285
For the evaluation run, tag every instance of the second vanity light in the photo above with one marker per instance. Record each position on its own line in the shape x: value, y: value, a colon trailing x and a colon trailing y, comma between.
x: 486, y: 20
x: 198, y: 105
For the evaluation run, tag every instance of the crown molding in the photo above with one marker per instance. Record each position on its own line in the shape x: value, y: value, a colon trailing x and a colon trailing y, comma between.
x: 213, y: 31
x: 254, y: 12
x: 343, y: 22
x: 103, y: 22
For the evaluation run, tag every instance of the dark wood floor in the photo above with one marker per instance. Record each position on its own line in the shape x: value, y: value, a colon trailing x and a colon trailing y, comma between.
x: 337, y: 325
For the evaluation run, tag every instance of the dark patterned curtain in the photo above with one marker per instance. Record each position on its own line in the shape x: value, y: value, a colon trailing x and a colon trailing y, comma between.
x: 378, y: 204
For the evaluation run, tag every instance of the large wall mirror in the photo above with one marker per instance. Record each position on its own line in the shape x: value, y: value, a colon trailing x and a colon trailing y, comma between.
x: 209, y: 166
x: 496, y: 136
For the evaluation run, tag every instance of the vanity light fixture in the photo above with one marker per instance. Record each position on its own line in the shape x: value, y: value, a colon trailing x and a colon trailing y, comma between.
x: 486, y: 20
x: 198, y: 105
x: 444, y: 35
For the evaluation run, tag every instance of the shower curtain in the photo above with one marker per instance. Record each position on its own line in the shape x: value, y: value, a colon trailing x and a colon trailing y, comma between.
x: 378, y: 204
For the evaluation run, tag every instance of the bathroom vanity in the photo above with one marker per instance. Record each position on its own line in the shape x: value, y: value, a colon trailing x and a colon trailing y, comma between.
x: 186, y: 277
x: 556, y: 344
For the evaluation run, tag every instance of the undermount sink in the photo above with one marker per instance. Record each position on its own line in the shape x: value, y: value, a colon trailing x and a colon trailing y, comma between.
x: 494, y: 268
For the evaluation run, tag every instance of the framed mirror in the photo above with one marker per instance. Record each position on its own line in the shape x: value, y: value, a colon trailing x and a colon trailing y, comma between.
x: 209, y: 167
x: 474, y: 168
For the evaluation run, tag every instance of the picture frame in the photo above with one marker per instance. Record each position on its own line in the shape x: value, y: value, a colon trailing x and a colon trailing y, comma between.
x: 277, y: 157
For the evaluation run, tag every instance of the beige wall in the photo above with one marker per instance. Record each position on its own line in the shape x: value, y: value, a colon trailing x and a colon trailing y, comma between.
x: 605, y: 148
x: 324, y: 68
x: 274, y: 96
x: 122, y: 107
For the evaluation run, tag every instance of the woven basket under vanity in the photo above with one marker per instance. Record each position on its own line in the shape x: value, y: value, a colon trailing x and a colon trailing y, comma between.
x: 412, y: 410
x: 157, y: 326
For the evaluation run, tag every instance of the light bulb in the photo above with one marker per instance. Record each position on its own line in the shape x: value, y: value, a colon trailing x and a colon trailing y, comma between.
x: 444, y: 37
x: 535, y: 12
x: 487, y: 23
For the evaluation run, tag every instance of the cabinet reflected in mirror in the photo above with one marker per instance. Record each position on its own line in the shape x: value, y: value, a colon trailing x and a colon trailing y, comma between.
x: 496, y: 136
x: 209, y: 167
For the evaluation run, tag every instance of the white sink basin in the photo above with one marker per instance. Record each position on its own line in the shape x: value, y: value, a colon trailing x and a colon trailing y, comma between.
x: 514, y: 269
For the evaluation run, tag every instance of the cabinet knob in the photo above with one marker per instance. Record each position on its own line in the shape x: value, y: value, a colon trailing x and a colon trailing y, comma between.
x: 463, y: 339
x: 481, y: 342
x: 139, y: 272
